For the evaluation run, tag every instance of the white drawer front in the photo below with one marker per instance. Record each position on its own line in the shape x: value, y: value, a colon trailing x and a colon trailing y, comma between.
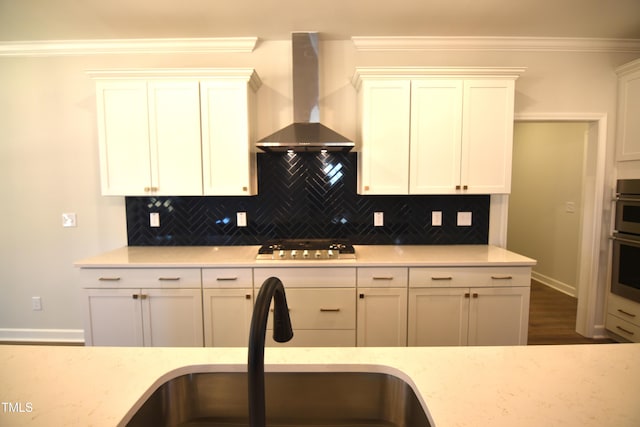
x: 624, y: 309
x: 140, y: 277
x: 443, y: 277
x: 383, y: 277
x: 330, y: 308
x: 623, y: 328
x: 308, y: 277
x: 227, y: 278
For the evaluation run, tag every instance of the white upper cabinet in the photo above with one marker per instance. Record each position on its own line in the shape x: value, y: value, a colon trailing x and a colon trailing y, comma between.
x: 176, y: 132
x: 229, y: 161
x: 487, y: 136
x: 628, y: 131
x: 383, y: 161
x: 450, y: 131
x: 436, y: 133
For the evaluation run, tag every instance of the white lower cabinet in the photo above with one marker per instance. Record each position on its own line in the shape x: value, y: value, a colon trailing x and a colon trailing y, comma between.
x: 322, y: 305
x: 143, y: 307
x: 227, y: 302
x: 443, y: 311
x: 329, y: 306
x: 144, y: 317
x: 382, y: 307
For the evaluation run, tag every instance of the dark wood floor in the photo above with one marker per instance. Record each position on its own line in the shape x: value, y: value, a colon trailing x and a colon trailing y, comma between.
x: 552, y: 318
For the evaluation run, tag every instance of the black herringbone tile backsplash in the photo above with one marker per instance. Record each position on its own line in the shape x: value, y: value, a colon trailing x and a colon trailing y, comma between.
x: 305, y: 195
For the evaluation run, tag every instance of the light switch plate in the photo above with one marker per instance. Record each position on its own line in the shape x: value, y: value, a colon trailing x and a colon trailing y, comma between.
x: 241, y: 219
x: 378, y: 219
x: 436, y: 218
x: 154, y: 219
x: 464, y: 219
x: 69, y: 219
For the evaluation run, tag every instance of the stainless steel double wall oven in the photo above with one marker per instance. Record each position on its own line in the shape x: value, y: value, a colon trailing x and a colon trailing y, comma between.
x: 625, y: 279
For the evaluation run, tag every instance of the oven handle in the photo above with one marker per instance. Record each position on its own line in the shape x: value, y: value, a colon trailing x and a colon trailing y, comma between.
x: 627, y: 199
x: 622, y: 239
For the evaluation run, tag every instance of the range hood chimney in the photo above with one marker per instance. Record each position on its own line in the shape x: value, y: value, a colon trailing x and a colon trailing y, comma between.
x: 306, y: 133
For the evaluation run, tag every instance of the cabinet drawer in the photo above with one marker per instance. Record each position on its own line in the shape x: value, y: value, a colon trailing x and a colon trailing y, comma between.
x: 443, y: 277
x: 140, y: 277
x: 382, y: 277
x: 227, y: 278
x: 321, y: 308
x: 308, y: 277
x: 624, y: 309
x: 623, y: 328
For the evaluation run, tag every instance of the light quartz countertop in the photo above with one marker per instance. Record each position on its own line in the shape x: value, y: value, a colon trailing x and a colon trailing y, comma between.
x: 576, y: 385
x: 367, y: 256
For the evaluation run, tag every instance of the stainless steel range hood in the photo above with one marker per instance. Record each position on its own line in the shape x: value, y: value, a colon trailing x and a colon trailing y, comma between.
x: 306, y: 133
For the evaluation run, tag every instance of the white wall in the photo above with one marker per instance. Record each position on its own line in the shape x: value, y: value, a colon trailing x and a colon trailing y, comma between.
x: 48, y: 155
x: 548, y: 163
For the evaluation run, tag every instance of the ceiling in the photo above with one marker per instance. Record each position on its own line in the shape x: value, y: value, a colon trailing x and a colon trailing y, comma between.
x: 29, y: 20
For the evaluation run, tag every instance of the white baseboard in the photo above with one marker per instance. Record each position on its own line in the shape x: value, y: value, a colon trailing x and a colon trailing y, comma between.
x: 67, y: 336
x: 555, y: 284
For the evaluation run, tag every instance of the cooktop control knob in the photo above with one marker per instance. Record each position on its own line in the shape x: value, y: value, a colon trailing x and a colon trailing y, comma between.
x: 294, y: 253
x: 305, y: 253
x: 330, y: 253
x: 318, y: 254
x: 281, y: 253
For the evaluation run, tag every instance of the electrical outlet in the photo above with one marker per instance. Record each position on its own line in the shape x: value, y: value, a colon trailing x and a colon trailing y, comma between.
x: 378, y: 219
x: 464, y: 219
x: 436, y: 218
x: 36, y: 303
x: 241, y: 219
x: 154, y: 219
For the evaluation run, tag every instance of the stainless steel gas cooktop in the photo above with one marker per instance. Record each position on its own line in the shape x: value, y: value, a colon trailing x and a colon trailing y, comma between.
x: 306, y: 249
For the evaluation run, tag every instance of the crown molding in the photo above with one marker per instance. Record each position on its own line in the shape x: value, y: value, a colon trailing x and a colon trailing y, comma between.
x: 541, y: 44
x: 128, y: 46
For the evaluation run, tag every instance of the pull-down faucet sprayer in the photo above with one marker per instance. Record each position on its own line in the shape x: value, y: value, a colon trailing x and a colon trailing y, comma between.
x: 282, y: 332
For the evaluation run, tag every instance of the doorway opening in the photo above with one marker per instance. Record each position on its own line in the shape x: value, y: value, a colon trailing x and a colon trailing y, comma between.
x: 577, y: 214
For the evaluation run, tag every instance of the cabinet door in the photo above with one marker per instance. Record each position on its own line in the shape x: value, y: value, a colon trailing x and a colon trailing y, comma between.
x: 175, y: 148
x: 227, y: 317
x: 628, y: 138
x: 438, y: 316
x: 384, y: 155
x: 113, y: 318
x: 382, y: 317
x: 436, y: 134
x: 172, y: 317
x: 487, y: 136
x: 229, y: 166
x: 499, y: 316
x: 123, y: 137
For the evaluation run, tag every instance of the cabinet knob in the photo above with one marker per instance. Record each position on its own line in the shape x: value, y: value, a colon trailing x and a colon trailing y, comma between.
x: 244, y: 188
x: 147, y: 189
x: 247, y: 296
x: 366, y: 188
x: 361, y: 296
x: 457, y: 187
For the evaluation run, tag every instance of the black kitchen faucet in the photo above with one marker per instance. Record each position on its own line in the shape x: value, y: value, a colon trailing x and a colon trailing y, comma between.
x: 282, y: 332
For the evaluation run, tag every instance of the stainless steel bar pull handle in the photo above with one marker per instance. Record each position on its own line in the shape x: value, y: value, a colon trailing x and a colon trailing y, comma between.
x: 441, y: 278
x: 108, y: 279
x: 224, y: 279
x: 382, y: 277
x: 324, y: 310
x: 502, y: 277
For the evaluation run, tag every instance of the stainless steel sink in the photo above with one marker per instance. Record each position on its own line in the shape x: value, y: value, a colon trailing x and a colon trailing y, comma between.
x: 292, y: 399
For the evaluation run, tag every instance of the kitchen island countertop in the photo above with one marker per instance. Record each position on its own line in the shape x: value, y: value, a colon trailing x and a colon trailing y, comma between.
x: 245, y: 256
x: 577, y: 385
